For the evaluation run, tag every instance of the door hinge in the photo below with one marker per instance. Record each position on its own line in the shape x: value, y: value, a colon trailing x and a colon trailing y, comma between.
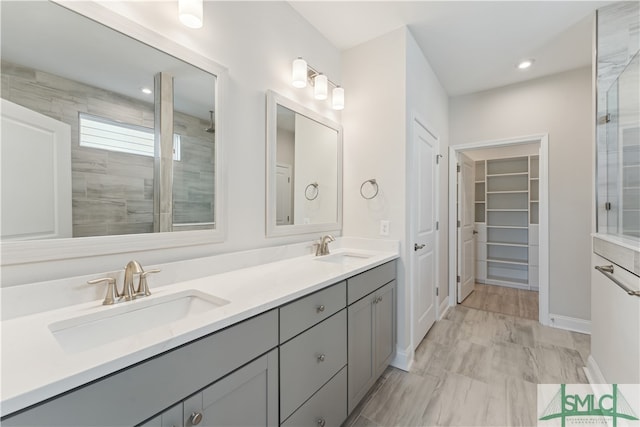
x: 438, y: 157
x: 437, y: 291
x: 458, y: 168
x: 288, y: 179
x: 458, y: 279
x: 437, y: 225
x: 607, y: 206
x: 458, y: 223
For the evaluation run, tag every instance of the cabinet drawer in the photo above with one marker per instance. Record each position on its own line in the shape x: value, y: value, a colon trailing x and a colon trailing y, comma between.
x: 306, y: 312
x: 310, y: 360
x: 329, y: 404
x: 367, y: 282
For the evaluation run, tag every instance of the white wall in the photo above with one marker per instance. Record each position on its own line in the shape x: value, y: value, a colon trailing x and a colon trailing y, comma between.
x: 257, y: 42
x: 388, y: 80
x: 561, y: 106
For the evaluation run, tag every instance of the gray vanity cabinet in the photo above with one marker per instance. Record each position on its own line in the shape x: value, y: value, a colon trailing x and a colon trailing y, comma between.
x: 313, y: 380
x: 235, y: 360
x: 372, y: 328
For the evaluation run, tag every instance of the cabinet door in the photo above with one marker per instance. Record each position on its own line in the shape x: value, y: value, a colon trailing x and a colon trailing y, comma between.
x: 361, y: 356
x: 247, y: 397
x: 384, y: 309
x: 172, y: 417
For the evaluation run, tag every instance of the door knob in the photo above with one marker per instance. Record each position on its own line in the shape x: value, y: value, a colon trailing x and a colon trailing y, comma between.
x: 475, y: 232
x: 417, y: 246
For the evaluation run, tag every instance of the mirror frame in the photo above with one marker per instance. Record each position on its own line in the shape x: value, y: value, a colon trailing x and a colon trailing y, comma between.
x: 272, y: 230
x: 22, y: 252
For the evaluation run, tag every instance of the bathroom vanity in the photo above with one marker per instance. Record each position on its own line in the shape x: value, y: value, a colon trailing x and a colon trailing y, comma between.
x: 305, y: 355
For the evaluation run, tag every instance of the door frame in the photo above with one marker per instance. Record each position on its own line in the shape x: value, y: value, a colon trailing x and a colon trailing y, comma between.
x: 543, y: 140
x: 412, y: 178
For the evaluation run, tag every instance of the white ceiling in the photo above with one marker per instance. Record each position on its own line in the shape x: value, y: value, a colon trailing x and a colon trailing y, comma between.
x: 471, y: 45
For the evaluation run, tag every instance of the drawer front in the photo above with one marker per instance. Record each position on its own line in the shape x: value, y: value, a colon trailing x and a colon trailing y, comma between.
x: 306, y: 312
x: 328, y: 407
x: 310, y: 360
x: 367, y: 282
x: 167, y: 379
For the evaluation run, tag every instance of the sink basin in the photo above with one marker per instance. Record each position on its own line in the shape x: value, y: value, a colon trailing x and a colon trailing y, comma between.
x: 343, y: 257
x: 130, y: 318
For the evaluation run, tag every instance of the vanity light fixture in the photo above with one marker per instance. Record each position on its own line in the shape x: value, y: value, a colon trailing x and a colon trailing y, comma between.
x: 337, y: 98
x: 302, y: 73
x: 320, y: 87
x: 190, y: 13
x: 525, y: 63
x: 299, y: 74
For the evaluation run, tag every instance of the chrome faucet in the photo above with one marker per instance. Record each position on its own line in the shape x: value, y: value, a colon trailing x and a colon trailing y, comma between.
x: 128, y: 291
x: 323, y: 245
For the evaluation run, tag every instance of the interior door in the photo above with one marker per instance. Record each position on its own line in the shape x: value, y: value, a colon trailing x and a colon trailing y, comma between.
x: 424, y: 230
x: 466, y: 243
x: 284, y: 215
x: 35, y: 175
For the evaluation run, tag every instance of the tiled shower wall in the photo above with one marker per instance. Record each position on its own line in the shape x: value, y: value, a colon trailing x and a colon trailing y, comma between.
x: 112, y: 193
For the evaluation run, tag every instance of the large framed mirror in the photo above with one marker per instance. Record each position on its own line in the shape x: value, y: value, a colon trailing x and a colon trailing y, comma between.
x: 123, y: 127
x: 304, y: 169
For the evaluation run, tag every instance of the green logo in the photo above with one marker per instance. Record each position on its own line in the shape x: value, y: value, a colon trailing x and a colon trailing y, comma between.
x: 564, y: 405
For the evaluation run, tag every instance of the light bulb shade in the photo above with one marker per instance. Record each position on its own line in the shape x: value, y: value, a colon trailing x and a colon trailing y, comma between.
x: 299, y: 73
x: 320, y: 87
x: 190, y: 13
x: 337, y: 98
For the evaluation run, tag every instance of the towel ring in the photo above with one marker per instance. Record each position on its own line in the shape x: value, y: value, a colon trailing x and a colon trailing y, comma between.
x: 374, y: 183
x: 315, y: 191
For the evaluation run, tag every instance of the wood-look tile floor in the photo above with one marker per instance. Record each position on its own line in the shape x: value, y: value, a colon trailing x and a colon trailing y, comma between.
x: 501, y: 299
x: 475, y: 368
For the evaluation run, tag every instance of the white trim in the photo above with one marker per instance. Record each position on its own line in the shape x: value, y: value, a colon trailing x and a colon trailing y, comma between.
x: 570, y: 323
x: 543, y: 140
x: 403, y: 358
x: 593, y: 372
x: 14, y: 253
x: 443, y: 309
x: 272, y: 230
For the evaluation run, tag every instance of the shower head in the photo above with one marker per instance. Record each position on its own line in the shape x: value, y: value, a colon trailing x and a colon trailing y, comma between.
x: 211, y: 128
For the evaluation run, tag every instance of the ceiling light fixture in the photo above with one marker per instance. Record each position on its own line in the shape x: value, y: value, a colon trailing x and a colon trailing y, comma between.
x: 190, y: 13
x: 146, y: 91
x: 302, y: 73
x: 524, y: 64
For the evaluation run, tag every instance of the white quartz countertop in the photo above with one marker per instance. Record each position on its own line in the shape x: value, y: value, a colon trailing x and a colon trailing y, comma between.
x: 36, y: 367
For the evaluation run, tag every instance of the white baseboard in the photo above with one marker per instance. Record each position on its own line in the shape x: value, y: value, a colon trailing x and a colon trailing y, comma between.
x: 444, y: 307
x: 570, y: 323
x: 593, y: 372
x: 403, y: 359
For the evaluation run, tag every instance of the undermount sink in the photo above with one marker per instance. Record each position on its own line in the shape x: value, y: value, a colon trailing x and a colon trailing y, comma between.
x: 343, y: 257
x: 130, y: 318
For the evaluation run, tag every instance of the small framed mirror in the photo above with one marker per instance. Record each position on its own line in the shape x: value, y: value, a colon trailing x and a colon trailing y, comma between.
x: 304, y: 170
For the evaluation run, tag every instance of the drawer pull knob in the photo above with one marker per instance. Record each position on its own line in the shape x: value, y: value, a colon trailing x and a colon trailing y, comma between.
x: 195, y: 418
x: 320, y: 308
x: 321, y: 422
x: 321, y: 358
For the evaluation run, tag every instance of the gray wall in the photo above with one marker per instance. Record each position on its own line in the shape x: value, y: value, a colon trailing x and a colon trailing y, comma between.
x: 561, y: 106
x: 113, y: 192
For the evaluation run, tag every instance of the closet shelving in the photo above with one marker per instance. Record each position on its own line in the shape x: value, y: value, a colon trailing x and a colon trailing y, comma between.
x: 509, y: 209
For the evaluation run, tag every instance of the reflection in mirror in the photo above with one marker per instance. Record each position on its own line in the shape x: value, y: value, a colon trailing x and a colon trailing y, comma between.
x: 128, y: 174
x: 304, y: 172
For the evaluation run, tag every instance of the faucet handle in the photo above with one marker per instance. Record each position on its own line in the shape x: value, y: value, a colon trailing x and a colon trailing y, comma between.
x: 143, y: 286
x: 112, y: 294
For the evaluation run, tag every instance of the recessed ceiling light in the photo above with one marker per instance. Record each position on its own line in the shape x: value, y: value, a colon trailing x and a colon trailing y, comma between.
x: 146, y: 90
x: 524, y: 64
